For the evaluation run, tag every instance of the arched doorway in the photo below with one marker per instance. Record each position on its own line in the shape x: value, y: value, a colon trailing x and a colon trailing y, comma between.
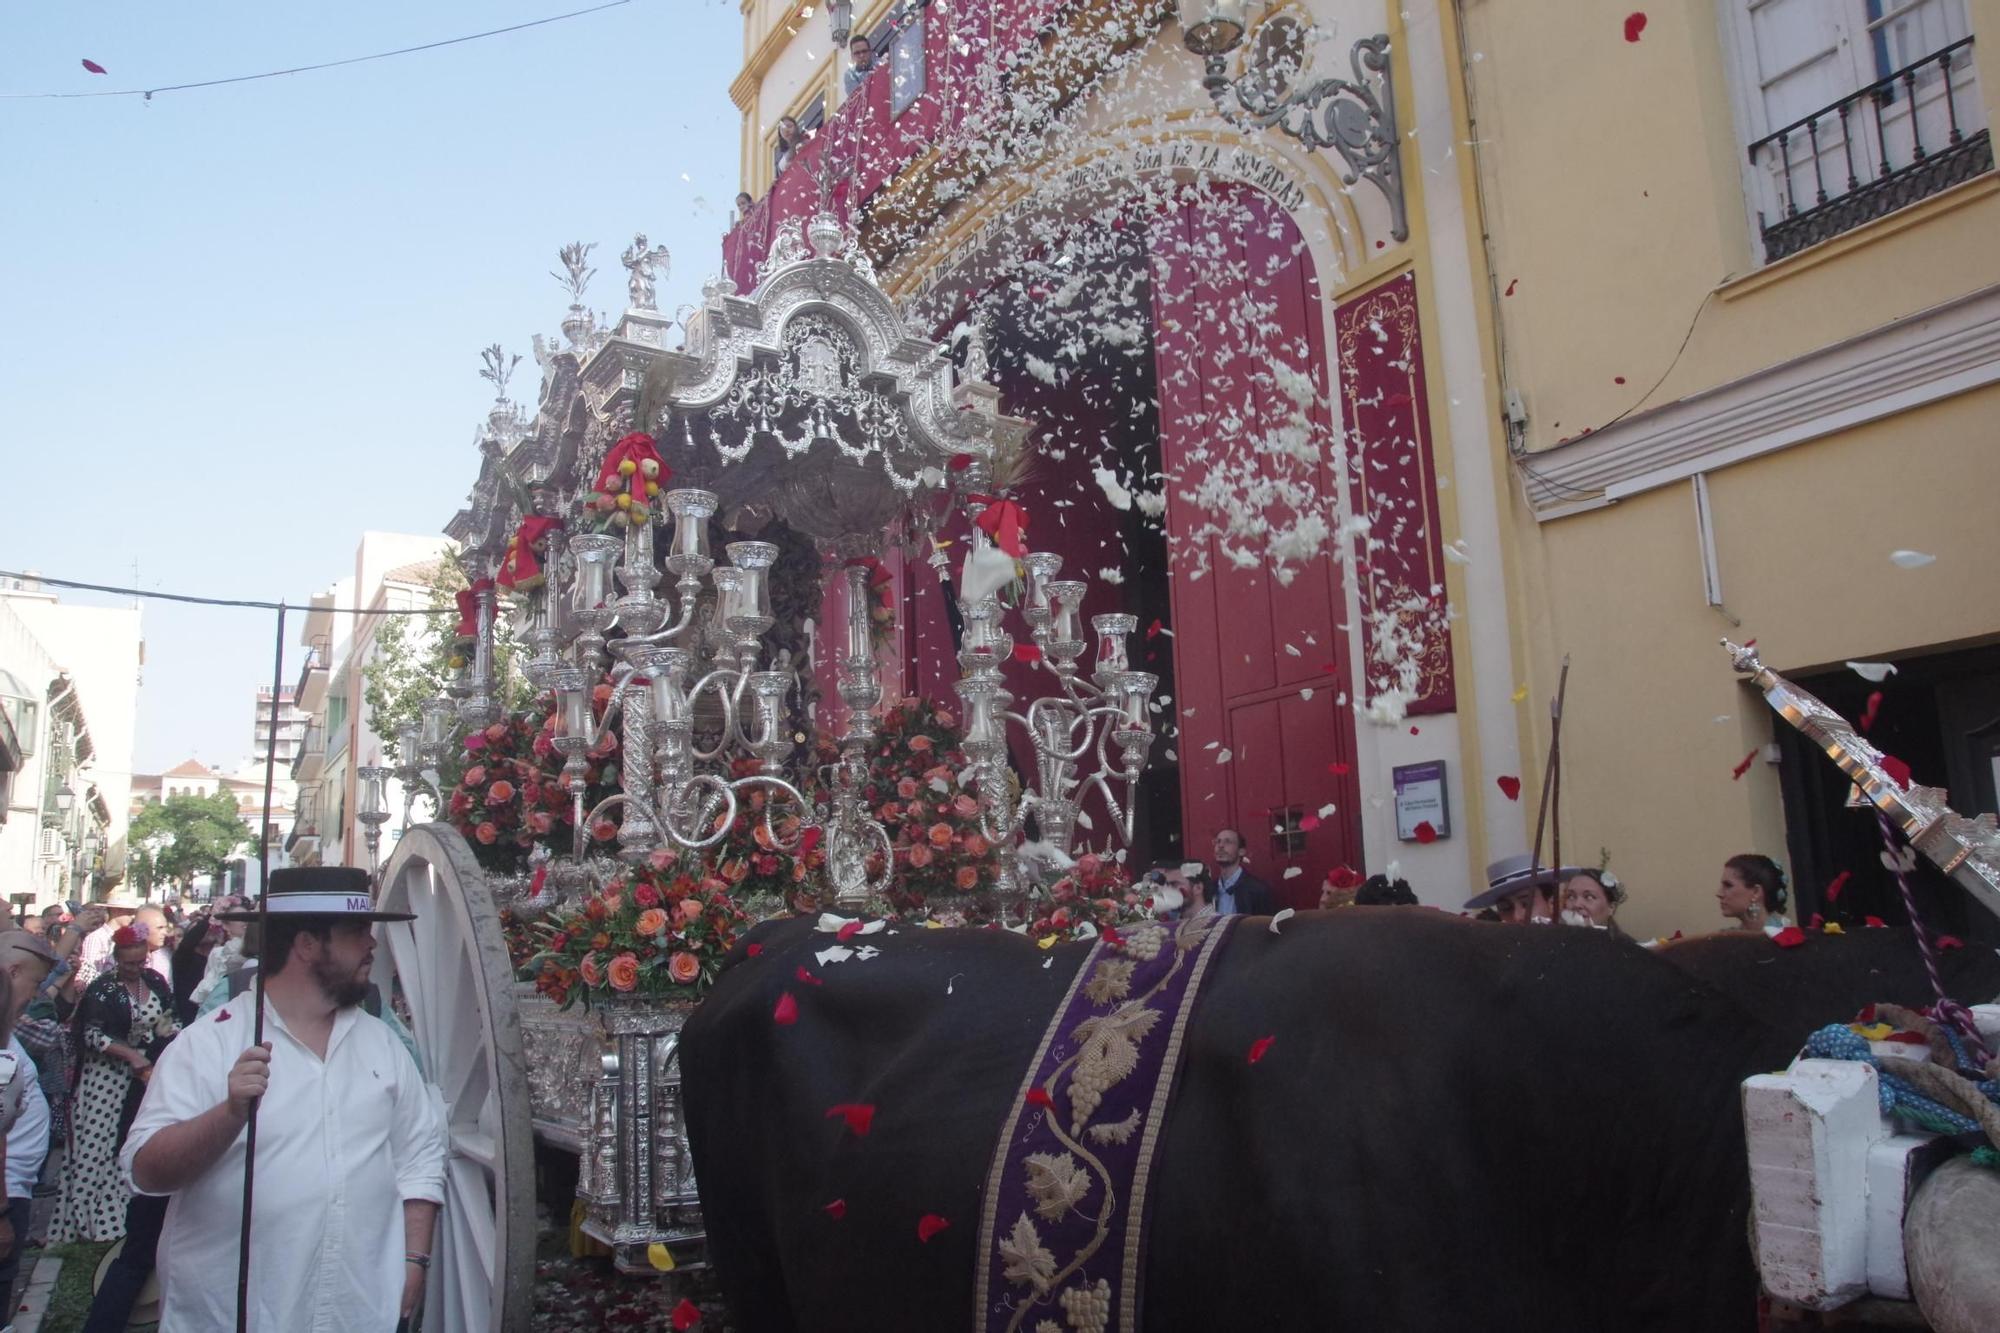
x: 1174, y: 346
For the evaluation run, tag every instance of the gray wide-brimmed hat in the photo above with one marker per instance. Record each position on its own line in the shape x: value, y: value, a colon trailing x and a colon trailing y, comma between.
x: 342, y: 893
x: 1511, y: 874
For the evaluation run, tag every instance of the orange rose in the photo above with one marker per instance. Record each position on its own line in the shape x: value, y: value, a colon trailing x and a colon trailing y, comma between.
x: 684, y: 968
x: 592, y: 975
x: 940, y: 835
x: 687, y: 909
x: 624, y: 972
x: 600, y: 941
x: 761, y: 835
x: 734, y: 870
x: 968, y: 878
x: 651, y: 921
x: 921, y: 744
x: 975, y: 845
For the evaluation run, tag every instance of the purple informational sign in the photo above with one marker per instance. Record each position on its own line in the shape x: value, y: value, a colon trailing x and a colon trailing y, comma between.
x: 1421, y: 799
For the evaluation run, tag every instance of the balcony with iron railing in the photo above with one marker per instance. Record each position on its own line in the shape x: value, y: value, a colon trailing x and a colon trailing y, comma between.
x: 311, y: 687
x: 960, y: 83
x: 1918, y: 131
x: 311, y: 757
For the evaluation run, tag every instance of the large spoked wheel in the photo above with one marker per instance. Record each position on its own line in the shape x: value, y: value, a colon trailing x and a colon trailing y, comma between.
x: 448, y: 977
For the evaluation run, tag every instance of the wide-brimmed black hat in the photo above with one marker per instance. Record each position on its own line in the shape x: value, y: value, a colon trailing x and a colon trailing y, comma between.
x: 341, y: 893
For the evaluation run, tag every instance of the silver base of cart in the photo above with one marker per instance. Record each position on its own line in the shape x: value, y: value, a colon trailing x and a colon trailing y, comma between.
x: 604, y: 1083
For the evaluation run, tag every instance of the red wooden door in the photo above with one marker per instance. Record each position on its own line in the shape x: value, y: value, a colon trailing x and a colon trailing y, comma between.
x: 1267, y: 733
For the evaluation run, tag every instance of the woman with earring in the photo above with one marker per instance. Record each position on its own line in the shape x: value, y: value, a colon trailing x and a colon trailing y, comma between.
x: 1752, y: 893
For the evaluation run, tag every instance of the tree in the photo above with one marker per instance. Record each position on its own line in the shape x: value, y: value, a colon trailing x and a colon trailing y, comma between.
x: 411, y: 663
x: 191, y: 835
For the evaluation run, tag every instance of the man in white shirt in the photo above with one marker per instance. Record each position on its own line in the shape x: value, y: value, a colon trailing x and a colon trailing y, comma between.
x: 350, y: 1140
x: 119, y: 909
x: 25, y: 960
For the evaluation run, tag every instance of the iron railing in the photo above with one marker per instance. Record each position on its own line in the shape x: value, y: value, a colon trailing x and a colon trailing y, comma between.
x: 1868, y: 181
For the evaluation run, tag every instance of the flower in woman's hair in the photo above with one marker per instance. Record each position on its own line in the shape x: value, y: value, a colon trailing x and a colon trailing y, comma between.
x: 684, y: 969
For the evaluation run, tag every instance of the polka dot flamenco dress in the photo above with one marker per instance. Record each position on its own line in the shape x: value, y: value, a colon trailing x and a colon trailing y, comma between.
x: 94, y: 1189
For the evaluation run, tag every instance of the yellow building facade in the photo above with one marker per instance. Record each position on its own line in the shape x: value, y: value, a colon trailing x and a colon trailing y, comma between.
x: 1727, y: 406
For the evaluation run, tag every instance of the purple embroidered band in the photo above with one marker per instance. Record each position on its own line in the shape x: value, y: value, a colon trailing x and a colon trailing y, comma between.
x: 1062, y: 1226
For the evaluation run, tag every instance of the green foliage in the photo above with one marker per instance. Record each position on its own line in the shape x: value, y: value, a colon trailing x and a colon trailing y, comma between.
x: 411, y: 662
x: 196, y: 835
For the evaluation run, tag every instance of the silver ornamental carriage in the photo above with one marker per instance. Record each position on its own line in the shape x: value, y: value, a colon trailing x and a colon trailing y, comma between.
x: 812, y: 402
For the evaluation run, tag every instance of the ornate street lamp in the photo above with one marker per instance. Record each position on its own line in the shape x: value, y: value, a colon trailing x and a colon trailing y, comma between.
x: 1354, y: 117
x: 840, y: 13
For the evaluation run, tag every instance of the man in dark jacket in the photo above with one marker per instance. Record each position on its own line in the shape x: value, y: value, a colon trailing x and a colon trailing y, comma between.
x: 1236, y: 889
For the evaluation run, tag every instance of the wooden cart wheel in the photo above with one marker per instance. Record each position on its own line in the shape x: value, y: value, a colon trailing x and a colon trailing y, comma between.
x: 448, y: 976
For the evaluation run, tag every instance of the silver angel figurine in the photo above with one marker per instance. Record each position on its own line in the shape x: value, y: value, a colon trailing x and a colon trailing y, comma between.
x: 639, y: 264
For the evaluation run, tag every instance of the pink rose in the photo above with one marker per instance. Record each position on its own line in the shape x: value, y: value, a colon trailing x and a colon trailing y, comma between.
x: 541, y: 821
x: 975, y: 845
x: 476, y: 741
x: 660, y: 858
x: 944, y: 717
x: 497, y: 732
x: 500, y: 793
x: 1088, y: 865
x: 487, y: 832
x: 940, y: 835
x: 686, y: 911
x: 965, y: 806
x: 684, y: 968
x: 544, y: 745
x: 907, y: 788
x: 475, y: 775
x: 920, y: 856
x: 921, y: 744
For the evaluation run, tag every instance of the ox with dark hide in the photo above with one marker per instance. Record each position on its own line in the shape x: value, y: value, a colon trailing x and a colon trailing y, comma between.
x: 1454, y: 1126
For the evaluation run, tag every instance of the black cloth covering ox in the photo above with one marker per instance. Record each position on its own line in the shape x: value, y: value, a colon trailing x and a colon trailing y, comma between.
x: 1454, y: 1125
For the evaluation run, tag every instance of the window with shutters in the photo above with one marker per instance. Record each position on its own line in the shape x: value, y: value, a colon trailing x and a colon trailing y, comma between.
x: 1850, y: 110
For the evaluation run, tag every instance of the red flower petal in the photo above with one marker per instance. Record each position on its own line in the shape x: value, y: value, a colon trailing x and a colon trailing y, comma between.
x: 1153, y: 630
x: 1867, y: 718
x: 1950, y: 942
x: 808, y: 977
x: 93, y: 67
x: 859, y: 1116
x: 1909, y: 1038
x: 1511, y: 284
x: 959, y: 462
x: 1510, y: 786
x: 1866, y: 1016
x: 1040, y: 1097
x: 1839, y: 884
x: 1816, y: 922
x: 1635, y: 23
x: 222, y: 1015
x: 787, y: 1012
x: 929, y: 1225
x: 1413, y: 731
x: 1898, y: 771
x: 836, y: 1210
x: 1339, y: 770
x: 1258, y: 1047
x: 752, y: 950
x: 1309, y: 823
x: 1743, y: 767
x: 686, y: 1315
x: 1791, y: 937
x: 1425, y: 833
x: 809, y: 839
x: 1027, y: 652
x: 848, y: 931
x: 1874, y: 922
x: 1345, y: 878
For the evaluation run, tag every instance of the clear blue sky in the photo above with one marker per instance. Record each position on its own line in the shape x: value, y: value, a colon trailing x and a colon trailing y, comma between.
x: 243, y: 323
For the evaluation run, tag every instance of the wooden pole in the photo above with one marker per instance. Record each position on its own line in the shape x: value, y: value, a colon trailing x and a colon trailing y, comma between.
x: 263, y: 912
x: 1552, y: 776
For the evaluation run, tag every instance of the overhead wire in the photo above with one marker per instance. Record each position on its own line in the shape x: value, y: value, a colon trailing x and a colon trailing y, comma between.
x: 148, y: 93
x: 244, y: 602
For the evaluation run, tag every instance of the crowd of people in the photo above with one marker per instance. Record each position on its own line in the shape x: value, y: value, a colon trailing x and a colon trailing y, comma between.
x: 98, y: 992
x: 1751, y: 894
